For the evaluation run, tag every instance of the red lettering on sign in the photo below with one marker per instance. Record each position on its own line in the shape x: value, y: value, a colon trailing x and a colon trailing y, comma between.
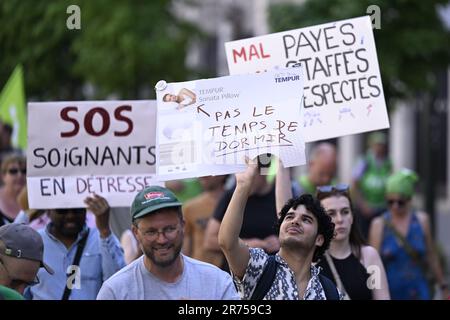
x: 253, y: 52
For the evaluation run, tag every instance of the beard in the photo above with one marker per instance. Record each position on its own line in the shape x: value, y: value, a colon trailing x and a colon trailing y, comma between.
x: 304, y: 245
x: 167, y: 260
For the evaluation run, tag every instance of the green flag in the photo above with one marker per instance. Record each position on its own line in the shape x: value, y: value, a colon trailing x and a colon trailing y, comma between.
x: 12, y: 108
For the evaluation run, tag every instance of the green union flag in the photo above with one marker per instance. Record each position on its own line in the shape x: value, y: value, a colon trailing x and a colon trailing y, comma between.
x: 12, y: 108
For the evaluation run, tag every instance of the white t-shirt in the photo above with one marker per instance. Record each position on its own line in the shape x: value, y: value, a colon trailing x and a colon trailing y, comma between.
x: 199, y: 281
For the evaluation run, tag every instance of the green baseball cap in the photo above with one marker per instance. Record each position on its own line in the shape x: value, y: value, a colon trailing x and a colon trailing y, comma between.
x: 151, y: 199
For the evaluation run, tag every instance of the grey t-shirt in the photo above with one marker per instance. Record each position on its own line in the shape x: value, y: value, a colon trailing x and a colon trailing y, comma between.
x: 199, y: 281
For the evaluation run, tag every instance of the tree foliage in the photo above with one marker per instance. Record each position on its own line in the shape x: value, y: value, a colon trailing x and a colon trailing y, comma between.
x: 412, y: 43
x: 122, y: 48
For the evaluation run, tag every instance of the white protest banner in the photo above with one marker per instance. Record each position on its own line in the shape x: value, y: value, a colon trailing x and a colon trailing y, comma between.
x: 78, y: 148
x: 343, y: 93
x: 206, y: 127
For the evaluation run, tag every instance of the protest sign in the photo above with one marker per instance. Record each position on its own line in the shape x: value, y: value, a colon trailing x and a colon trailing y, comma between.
x: 79, y: 148
x: 343, y: 93
x: 206, y: 127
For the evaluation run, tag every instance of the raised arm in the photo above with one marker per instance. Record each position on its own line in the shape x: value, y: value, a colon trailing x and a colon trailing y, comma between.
x: 101, y: 210
x: 110, y: 249
x: 235, y: 250
x: 283, y: 189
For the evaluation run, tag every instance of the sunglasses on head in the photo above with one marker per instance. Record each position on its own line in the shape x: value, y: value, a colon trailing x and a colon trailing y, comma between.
x: 400, y: 202
x: 325, y: 191
x: 14, y: 171
x: 341, y: 187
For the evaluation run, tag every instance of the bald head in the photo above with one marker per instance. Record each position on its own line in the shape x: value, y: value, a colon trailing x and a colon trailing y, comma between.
x: 323, y: 149
x: 322, y: 164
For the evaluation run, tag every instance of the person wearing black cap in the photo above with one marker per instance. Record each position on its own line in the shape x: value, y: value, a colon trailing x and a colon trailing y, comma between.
x: 162, y: 272
x: 21, y: 256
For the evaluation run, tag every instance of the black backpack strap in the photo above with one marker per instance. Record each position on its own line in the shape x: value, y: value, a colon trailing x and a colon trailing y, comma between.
x: 266, y: 280
x: 331, y: 292
x: 76, y: 262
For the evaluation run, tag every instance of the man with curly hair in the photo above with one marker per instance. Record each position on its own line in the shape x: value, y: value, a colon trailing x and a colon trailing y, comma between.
x: 305, y: 232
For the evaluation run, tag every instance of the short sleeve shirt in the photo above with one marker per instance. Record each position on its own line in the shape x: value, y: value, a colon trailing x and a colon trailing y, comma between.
x: 284, y: 286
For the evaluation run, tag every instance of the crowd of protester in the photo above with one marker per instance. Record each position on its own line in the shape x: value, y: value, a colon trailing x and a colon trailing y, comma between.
x: 227, y: 237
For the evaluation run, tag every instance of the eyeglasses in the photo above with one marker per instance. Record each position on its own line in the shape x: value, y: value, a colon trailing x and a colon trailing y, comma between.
x: 399, y: 202
x: 169, y: 232
x: 325, y: 191
x: 14, y: 171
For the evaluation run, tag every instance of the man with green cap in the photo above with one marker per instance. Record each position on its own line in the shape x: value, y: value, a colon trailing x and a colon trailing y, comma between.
x: 403, y: 237
x: 162, y: 272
